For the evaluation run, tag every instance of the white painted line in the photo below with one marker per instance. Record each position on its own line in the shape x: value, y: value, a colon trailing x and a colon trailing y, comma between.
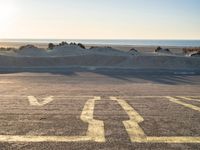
x: 34, y: 102
x: 137, y: 134
x: 95, y: 130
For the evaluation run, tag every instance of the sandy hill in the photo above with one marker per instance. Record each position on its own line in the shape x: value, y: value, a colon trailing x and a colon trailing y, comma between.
x: 73, y: 55
x: 67, y: 50
x: 107, y: 51
x: 30, y: 51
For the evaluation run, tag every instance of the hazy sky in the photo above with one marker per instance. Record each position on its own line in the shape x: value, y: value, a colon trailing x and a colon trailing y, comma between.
x: 100, y: 19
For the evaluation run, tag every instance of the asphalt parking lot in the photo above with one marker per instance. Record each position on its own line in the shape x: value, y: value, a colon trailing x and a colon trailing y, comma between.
x: 99, y: 110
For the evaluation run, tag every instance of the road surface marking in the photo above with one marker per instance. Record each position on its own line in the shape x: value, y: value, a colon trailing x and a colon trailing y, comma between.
x: 26, y: 138
x: 34, y: 101
x: 174, y: 100
x: 94, y: 133
x: 189, y: 99
x: 130, y: 97
x: 137, y: 134
x: 132, y: 125
x: 96, y: 127
x: 90, y: 96
x: 57, y: 96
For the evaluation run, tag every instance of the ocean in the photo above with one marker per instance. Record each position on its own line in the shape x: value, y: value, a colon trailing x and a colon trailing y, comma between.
x: 182, y: 43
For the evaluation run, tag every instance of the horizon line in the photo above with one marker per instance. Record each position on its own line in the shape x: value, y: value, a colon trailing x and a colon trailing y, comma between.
x: 91, y: 39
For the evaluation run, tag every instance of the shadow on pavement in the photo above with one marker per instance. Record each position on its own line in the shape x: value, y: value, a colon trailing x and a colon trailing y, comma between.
x: 171, y: 77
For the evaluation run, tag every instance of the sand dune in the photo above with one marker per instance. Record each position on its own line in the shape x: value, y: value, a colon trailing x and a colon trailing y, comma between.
x: 72, y: 55
x: 164, y: 62
x: 32, y: 52
x: 67, y: 50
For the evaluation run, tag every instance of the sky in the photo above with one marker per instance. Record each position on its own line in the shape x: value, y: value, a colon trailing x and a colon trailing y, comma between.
x: 100, y: 19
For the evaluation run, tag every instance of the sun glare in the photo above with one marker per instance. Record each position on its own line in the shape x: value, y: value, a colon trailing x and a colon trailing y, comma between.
x: 7, y: 14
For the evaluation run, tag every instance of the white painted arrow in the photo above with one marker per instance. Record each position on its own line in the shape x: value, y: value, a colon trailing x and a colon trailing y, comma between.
x: 34, y: 102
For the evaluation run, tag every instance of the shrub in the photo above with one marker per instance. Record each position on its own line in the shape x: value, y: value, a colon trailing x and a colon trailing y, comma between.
x: 72, y: 43
x: 167, y: 50
x: 51, y: 46
x: 27, y: 46
x: 81, y: 46
x: 191, y: 50
x: 108, y: 47
x: 7, y: 49
x: 133, y: 49
x: 158, y: 49
x: 92, y: 47
x: 2, y: 49
x: 62, y: 44
x: 197, y: 54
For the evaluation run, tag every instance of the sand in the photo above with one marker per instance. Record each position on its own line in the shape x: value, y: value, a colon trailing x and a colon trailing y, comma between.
x: 73, y: 56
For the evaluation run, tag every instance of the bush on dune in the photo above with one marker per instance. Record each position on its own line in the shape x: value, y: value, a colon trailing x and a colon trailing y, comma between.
x: 63, y: 44
x: 160, y: 49
x: 51, y: 46
x: 81, y: 46
x: 133, y: 50
x: 7, y: 49
x: 72, y: 43
x: 197, y: 54
x: 27, y: 46
x: 191, y: 50
x: 3, y: 49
